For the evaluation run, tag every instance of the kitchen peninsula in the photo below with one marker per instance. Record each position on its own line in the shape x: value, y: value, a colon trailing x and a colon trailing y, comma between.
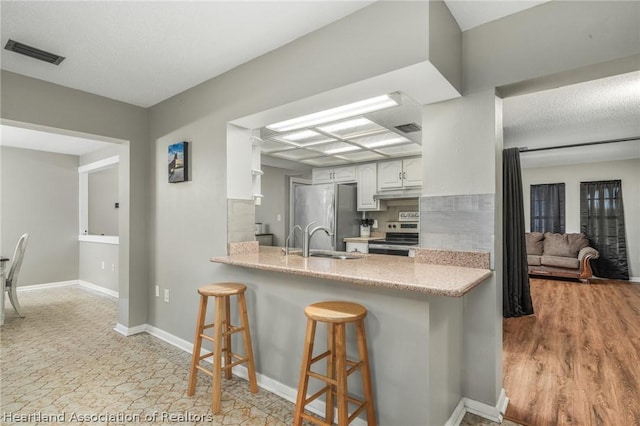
x: 415, y: 326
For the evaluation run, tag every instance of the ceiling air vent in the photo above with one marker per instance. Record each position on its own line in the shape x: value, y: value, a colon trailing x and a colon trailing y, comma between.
x: 23, y: 49
x: 409, y: 128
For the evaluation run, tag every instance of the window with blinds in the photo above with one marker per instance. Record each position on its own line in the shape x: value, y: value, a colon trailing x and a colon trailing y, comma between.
x: 548, y: 208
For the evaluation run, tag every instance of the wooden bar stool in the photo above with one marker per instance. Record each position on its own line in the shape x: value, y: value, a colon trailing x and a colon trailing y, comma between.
x: 336, y: 315
x: 222, y: 331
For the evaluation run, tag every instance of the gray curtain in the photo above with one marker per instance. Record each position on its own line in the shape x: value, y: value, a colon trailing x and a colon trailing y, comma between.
x: 602, y: 221
x: 516, y: 295
x: 547, y: 208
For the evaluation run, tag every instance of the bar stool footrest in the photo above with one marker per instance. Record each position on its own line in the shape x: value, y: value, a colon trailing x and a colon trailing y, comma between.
x: 315, y: 420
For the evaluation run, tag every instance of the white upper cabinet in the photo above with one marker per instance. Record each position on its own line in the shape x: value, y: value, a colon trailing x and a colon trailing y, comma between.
x: 367, y: 187
x: 390, y: 174
x: 400, y: 173
x: 345, y: 174
x: 412, y: 172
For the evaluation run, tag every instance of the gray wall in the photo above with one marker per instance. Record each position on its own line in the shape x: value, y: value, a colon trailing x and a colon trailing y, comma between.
x: 274, y: 202
x: 627, y: 170
x: 40, y: 196
x: 99, y: 264
x: 27, y: 100
x: 103, y: 194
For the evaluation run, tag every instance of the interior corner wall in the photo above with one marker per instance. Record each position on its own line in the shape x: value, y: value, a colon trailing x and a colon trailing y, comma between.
x: 40, y: 196
x: 445, y: 43
x: 628, y: 171
x: 32, y: 101
x: 274, y: 202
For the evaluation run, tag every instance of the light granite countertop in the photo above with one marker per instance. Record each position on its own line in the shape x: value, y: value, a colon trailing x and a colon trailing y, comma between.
x: 361, y: 239
x: 393, y: 272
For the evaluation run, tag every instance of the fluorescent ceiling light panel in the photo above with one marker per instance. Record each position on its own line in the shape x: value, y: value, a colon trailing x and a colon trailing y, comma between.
x: 380, y: 140
x: 346, y: 125
x: 352, y: 128
x: 306, y: 138
x: 335, y: 148
x: 325, y: 161
x: 295, y: 154
x: 334, y: 114
x: 362, y: 156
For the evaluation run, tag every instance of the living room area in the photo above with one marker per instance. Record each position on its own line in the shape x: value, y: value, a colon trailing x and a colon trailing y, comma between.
x: 572, y: 359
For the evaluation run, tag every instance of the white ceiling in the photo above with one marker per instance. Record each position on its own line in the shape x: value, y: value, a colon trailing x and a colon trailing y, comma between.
x: 145, y: 52
x: 470, y: 14
x: 594, y: 111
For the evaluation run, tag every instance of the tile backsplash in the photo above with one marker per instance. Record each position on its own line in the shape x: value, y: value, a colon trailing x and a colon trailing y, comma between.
x: 240, y: 220
x: 458, y: 222
x: 392, y: 213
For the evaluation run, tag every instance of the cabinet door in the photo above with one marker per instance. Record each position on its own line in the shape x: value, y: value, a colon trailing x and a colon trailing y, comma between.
x: 322, y: 175
x: 367, y: 187
x: 390, y: 174
x: 357, y: 247
x: 412, y: 172
x: 344, y: 174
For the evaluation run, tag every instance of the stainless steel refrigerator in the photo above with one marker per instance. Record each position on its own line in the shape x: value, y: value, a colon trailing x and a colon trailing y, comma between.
x: 331, y: 205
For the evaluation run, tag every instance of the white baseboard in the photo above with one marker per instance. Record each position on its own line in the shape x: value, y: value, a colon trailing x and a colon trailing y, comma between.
x: 130, y: 331
x: 47, y: 285
x: 467, y: 405
x: 69, y: 283
x: 458, y: 414
x: 98, y: 288
x: 286, y: 392
x: 486, y: 411
x: 634, y: 279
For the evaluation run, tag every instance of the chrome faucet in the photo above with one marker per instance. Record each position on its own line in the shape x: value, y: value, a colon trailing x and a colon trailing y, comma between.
x: 306, y: 239
x: 286, y: 242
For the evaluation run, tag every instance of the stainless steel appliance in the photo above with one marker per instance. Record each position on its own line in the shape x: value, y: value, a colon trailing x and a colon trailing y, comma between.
x: 329, y: 205
x: 400, y: 238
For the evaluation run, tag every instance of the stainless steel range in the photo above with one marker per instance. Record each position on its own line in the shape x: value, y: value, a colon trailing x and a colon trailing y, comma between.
x: 400, y: 238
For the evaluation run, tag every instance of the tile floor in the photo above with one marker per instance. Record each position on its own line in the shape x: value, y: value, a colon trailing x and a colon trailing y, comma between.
x: 63, y: 363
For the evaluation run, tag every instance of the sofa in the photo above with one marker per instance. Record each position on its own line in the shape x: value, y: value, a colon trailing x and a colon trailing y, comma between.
x: 560, y: 255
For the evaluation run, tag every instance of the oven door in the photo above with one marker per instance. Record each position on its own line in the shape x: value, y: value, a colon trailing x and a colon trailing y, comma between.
x: 390, y: 249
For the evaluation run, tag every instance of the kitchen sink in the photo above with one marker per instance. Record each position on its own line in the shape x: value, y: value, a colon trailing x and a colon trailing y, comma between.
x: 335, y: 255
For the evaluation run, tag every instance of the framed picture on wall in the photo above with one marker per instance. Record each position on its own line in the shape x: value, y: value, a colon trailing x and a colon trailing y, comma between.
x: 179, y: 162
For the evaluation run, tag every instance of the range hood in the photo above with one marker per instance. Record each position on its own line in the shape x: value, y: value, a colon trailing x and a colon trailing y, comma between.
x: 400, y: 193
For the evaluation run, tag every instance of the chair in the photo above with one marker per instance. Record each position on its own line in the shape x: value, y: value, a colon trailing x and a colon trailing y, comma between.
x: 336, y: 315
x: 11, y: 283
x: 222, y: 354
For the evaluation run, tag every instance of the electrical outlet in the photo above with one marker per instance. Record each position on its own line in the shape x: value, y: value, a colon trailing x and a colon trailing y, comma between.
x: 375, y: 223
x: 113, y: 267
x: 166, y: 295
x: 103, y: 265
x: 278, y: 217
x: 157, y: 291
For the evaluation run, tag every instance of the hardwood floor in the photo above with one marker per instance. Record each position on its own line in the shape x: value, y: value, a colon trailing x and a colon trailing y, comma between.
x: 577, y: 360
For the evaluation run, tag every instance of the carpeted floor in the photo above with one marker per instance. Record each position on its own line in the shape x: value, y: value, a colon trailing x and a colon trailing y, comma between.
x: 63, y: 363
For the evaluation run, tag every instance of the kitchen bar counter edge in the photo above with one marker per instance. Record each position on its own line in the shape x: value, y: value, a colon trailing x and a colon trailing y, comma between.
x: 392, y: 272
